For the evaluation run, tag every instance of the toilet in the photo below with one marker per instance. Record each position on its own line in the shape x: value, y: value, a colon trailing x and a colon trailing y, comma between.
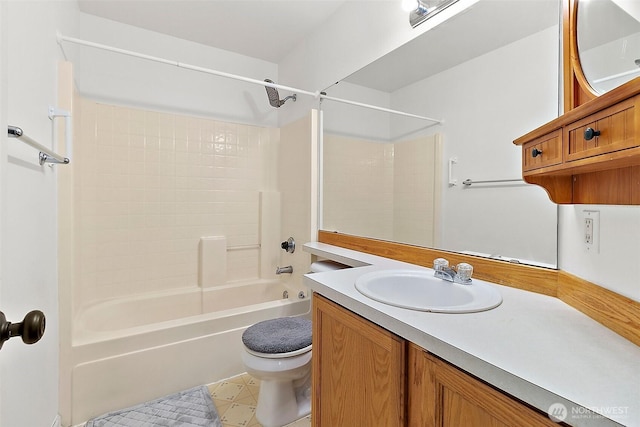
x: 278, y: 353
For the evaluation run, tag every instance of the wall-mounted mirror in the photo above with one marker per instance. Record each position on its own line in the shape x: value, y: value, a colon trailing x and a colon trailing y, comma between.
x: 492, y: 74
x: 608, y: 41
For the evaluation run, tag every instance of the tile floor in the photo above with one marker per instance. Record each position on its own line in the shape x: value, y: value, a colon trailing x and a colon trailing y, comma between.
x: 236, y: 399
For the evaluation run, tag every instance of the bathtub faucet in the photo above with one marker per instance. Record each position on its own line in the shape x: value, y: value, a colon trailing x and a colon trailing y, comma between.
x: 287, y: 269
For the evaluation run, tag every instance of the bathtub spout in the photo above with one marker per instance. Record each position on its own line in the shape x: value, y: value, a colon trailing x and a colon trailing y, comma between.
x: 287, y: 269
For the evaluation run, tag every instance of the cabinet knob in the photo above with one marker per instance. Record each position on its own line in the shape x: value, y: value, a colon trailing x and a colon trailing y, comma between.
x: 535, y: 152
x: 590, y: 133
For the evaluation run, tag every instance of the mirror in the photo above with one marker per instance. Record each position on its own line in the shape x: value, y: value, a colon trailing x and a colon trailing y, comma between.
x: 608, y: 40
x: 492, y: 74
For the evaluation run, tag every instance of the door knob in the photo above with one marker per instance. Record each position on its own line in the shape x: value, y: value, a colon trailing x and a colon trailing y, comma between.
x: 31, y: 329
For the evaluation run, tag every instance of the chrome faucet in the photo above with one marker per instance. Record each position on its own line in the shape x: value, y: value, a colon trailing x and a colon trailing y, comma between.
x: 287, y: 269
x: 444, y: 272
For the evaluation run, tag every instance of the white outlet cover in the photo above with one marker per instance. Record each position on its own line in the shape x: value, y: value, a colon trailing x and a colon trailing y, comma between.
x: 594, y: 246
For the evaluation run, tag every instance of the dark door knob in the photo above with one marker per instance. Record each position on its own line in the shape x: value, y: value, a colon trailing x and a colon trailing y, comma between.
x: 535, y: 152
x: 590, y: 133
x: 31, y: 329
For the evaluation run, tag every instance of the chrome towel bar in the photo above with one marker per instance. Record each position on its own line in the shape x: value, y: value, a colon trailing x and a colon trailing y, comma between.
x: 469, y: 182
x: 46, y: 155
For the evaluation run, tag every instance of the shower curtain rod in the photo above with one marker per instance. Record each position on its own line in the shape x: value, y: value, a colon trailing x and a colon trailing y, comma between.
x: 386, y: 110
x: 316, y: 94
x: 178, y: 64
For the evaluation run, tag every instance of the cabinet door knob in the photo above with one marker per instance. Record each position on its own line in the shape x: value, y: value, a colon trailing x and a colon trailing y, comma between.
x: 535, y: 152
x: 590, y: 133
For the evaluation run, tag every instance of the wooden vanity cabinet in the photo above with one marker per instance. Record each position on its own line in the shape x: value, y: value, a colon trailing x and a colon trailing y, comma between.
x: 366, y: 376
x: 358, y: 370
x: 442, y: 395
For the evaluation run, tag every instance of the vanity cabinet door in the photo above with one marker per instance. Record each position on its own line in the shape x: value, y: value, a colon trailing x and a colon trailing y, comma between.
x: 358, y: 370
x: 442, y: 395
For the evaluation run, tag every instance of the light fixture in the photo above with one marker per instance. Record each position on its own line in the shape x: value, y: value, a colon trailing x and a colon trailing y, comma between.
x: 409, y: 5
x: 426, y: 9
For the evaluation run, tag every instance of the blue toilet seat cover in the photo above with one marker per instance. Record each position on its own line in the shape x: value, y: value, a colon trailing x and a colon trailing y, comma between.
x: 281, y: 335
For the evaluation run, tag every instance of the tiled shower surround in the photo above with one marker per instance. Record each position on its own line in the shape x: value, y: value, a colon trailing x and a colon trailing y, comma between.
x: 384, y: 190
x: 148, y: 185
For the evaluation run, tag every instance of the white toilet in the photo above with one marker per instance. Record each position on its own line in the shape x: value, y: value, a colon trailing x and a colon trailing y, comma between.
x: 278, y: 353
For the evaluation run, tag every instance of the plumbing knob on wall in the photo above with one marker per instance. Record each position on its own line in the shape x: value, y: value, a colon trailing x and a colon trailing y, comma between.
x: 31, y: 329
x: 289, y: 245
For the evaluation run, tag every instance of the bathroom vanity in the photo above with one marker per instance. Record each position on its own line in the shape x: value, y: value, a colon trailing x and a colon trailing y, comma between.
x: 412, y: 387
x: 376, y: 364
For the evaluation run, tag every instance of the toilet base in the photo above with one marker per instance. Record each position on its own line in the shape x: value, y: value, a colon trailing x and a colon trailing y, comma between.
x: 283, y: 402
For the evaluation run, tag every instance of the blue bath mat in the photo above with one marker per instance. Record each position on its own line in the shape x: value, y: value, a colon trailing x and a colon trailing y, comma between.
x: 189, y: 408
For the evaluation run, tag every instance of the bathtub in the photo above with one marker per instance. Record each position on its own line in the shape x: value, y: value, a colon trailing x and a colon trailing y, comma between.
x: 128, y: 351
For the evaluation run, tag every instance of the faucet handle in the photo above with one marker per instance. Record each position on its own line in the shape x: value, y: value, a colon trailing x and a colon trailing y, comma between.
x: 464, y: 271
x: 440, y: 264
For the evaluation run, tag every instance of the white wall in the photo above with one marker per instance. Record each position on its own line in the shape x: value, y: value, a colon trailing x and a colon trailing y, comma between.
x: 297, y: 182
x: 616, y: 265
x: 125, y: 80
x: 362, y: 123
x: 486, y: 103
x: 360, y: 32
x: 29, y: 374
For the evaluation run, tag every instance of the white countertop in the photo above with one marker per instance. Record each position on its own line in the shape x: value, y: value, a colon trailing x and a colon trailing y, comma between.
x: 532, y: 346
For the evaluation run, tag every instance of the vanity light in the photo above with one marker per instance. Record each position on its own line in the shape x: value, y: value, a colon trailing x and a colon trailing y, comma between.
x: 409, y: 5
x: 425, y: 9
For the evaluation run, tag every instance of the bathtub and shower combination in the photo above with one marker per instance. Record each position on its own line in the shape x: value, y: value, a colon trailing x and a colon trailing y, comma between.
x: 137, y: 321
x: 130, y: 350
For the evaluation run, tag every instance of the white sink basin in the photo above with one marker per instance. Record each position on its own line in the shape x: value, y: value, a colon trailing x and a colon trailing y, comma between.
x: 420, y: 290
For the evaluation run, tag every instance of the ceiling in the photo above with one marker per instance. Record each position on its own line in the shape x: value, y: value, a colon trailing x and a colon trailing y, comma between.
x: 264, y: 29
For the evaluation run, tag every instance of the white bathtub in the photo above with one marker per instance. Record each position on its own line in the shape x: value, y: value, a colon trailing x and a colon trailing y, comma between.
x: 132, y: 350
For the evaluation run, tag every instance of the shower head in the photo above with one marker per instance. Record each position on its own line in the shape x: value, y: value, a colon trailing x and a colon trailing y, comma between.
x: 274, y: 97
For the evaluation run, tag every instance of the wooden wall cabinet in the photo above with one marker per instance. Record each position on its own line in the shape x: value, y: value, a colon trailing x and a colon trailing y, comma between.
x: 363, y: 375
x: 591, y: 154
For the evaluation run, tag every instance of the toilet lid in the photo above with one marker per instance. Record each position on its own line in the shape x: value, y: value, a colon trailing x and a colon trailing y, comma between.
x: 281, y: 335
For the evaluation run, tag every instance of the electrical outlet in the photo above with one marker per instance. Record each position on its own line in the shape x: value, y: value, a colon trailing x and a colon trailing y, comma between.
x: 591, y: 231
x: 588, y: 231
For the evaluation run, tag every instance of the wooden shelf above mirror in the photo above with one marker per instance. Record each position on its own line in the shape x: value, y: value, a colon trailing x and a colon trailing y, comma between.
x: 590, y: 154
